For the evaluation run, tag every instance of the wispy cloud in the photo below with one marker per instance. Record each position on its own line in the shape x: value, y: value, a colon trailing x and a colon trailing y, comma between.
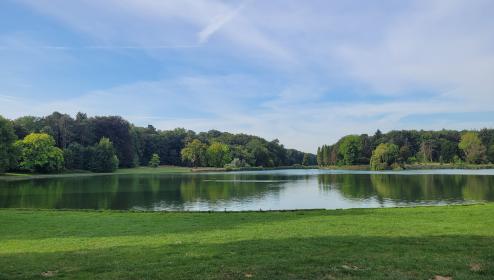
x: 217, y: 23
x: 306, y: 73
x: 98, y: 47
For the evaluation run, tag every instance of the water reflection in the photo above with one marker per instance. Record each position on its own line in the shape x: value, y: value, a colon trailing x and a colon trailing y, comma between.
x: 246, y: 191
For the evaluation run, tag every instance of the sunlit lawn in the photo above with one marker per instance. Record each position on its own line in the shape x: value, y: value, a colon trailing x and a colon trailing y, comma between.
x: 400, y: 243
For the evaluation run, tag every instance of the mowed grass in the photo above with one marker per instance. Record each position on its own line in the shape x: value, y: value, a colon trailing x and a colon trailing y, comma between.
x: 397, y: 243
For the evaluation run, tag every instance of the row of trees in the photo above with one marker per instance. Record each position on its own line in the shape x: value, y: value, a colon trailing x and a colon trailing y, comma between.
x: 37, y: 152
x: 396, y: 148
x: 81, y: 140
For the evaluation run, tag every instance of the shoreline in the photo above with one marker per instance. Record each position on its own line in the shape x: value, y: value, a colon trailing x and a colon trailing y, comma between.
x: 301, y: 210
x: 184, y: 170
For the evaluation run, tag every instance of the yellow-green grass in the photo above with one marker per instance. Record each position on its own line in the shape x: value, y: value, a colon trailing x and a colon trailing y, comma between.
x: 395, y: 243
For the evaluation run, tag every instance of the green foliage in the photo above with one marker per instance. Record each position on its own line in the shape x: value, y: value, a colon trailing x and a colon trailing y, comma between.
x: 328, y: 155
x: 39, y: 154
x: 136, y: 145
x: 384, y: 156
x: 218, y: 154
x: 194, y: 153
x: 349, y: 148
x: 260, y: 153
x: 237, y: 163
x: 118, y: 131
x: 473, y: 148
x: 306, y: 160
x: 7, y: 150
x: 154, y: 161
x: 490, y: 153
x: 76, y: 156
x: 103, y: 157
x: 414, y: 146
x: 26, y: 125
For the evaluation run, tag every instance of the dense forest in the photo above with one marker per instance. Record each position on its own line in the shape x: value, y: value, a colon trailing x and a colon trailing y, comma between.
x: 103, y: 143
x: 394, y: 149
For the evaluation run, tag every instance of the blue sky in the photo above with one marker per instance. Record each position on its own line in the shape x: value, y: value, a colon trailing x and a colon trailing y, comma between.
x: 305, y: 72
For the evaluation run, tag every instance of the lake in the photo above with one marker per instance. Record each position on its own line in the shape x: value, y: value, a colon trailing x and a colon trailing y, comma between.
x: 252, y: 190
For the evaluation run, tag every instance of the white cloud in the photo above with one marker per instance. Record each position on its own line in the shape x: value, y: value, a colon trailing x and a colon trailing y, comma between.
x: 438, y: 46
x: 442, y: 50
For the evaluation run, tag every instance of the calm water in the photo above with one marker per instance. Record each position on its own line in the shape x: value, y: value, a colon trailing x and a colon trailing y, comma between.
x: 280, y: 189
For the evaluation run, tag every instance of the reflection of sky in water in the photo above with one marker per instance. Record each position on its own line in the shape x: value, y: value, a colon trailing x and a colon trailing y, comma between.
x: 253, y: 190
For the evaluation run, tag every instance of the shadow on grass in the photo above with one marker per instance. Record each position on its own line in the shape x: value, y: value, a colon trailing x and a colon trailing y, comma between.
x: 331, y: 257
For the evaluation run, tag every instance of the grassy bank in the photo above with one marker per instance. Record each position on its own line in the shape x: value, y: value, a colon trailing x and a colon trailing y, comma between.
x: 180, y: 169
x: 416, y: 166
x: 419, y: 166
x: 400, y: 243
x: 79, y: 173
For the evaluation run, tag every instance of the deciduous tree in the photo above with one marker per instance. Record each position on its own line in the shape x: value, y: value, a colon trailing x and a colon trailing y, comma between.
x: 471, y: 145
x: 7, y: 139
x: 39, y: 154
x: 194, y: 153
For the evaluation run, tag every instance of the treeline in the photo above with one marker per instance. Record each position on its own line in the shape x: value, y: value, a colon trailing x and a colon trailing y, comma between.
x: 397, y: 148
x: 102, y: 143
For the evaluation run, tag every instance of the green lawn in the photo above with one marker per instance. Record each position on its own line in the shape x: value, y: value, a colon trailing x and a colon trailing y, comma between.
x: 399, y: 243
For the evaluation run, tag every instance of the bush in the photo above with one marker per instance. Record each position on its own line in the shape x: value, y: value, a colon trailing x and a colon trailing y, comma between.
x: 236, y: 163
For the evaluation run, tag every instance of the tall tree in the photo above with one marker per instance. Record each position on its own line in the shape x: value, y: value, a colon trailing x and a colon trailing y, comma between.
x: 76, y: 156
x: 103, y: 157
x: 384, y: 156
x: 59, y: 126
x: 7, y: 139
x: 306, y: 160
x: 471, y: 145
x: 350, y: 147
x: 195, y: 153
x: 27, y: 125
x: 82, y: 130
x: 118, y: 131
x: 218, y: 154
x: 319, y: 156
x: 260, y: 153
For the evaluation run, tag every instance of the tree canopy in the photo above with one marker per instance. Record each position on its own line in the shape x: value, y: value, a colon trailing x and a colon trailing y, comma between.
x: 195, y: 153
x: 7, y: 139
x: 384, y: 156
x: 443, y: 146
x: 39, y: 154
x: 103, y: 157
x: 475, y: 151
x: 218, y: 154
x: 134, y: 145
